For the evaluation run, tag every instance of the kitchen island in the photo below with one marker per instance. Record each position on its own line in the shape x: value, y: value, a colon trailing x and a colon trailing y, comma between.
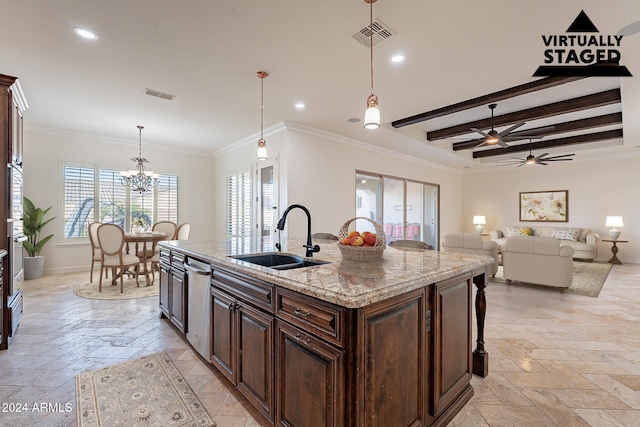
x: 342, y: 343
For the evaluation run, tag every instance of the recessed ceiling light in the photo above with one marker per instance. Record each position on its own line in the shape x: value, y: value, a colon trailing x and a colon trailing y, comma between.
x: 353, y: 120
x: 300, y: 105
x: 85, y: 34
x: 397, y: 58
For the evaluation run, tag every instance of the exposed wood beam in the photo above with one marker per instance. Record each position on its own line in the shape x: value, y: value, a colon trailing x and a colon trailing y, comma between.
x: 500, y: 95
x: 561, y: 107
x: 571, y: 140
x: 570, y: 126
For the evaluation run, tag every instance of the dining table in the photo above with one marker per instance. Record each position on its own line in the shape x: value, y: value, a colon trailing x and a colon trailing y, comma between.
x: 147, y: 240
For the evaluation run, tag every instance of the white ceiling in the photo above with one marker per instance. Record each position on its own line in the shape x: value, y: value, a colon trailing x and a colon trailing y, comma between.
x: 207, y: 53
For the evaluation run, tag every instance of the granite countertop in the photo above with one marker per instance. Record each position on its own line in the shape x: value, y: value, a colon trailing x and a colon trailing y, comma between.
x: 349, y: 284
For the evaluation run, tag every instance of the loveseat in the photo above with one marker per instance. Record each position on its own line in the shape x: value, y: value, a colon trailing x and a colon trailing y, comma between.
x: 583, y: 241
x: 471, y: 243
x: 539, y: 260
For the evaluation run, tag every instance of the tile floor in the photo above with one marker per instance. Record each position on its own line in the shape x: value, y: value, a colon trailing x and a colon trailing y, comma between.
x: 555, y: 359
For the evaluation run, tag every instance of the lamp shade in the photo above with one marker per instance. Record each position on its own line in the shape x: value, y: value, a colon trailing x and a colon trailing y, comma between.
x: 479, y: 220
x: 614, y: 221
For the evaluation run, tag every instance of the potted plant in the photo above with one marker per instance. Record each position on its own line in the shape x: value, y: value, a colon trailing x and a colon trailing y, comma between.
x: 33, y: 223
x: 138, y: 225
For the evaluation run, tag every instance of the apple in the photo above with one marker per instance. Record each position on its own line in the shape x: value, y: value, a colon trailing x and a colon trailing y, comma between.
x: 353, y: 234
x: 370, y: 239
x: 359, y: 241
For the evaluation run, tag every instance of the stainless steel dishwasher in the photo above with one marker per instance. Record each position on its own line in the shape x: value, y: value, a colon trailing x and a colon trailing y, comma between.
x: 199, y: 308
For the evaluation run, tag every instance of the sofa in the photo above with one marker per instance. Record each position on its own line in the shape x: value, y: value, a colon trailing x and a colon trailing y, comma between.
x: 539, y: 260
x: 471, y: 243
x: 583, y: 241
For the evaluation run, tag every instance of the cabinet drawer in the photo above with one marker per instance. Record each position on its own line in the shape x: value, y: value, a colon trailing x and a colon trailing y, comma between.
x: 165, y: 256
x: 246, y: 288
x: 177, y: 260
x: 317, y: 317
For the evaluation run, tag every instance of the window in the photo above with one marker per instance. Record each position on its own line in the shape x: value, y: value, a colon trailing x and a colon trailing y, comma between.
x: 406, y: 209
x: 87, y: 199
x: 238, y: 211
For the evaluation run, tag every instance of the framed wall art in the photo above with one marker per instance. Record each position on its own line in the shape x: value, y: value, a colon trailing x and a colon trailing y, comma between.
x: 550, y: 206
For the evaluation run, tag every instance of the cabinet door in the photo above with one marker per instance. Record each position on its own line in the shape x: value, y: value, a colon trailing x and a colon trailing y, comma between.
x: 165, y: 295
x: 394, y: 362
x: 254, y: 348
x: 452, y: 342
x: 309, y: 380
x: 178, y: 299
x: 222, y: 334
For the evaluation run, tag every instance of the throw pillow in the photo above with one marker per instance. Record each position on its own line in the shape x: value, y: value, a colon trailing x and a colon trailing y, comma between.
x: 511, y: 231
x: 566, y: 233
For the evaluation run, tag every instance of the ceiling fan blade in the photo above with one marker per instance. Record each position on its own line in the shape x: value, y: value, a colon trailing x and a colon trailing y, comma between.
x: 481, y: 132
x: 540, y: 163
x: 630, y: 29
x: 562, y: 155
x: 551, y: 159
x: 541, y: 156
x: 502, y: 143
x: 511, y: 129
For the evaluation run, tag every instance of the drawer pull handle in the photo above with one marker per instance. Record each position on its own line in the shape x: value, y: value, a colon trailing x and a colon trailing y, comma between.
x: 301, y: 339
x: 299, y: 312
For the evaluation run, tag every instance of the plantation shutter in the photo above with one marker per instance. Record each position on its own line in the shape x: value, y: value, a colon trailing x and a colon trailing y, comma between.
x: 113, y: 198
x: 238, y: 227
x: 167, y: 198
x: 79, y: 184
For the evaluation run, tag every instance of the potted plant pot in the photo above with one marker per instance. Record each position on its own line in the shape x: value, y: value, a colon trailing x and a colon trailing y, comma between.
x: 33, y: 267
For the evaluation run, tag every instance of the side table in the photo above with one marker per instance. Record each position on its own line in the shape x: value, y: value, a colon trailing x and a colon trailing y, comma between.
x: 614, y: 249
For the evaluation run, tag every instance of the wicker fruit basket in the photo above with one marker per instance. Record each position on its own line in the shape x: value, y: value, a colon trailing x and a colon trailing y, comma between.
x: 362, y: 253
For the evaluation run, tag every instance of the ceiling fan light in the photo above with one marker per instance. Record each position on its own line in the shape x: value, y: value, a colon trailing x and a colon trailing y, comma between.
x: 372, y: 115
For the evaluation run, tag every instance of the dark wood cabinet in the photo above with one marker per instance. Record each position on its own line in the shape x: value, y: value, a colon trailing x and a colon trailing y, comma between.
x: 303, y: 362
x: 172, y: 288
x: 242, y: 346
x: 310, y: 376
x: 12, y: 106
x: 394, y: 361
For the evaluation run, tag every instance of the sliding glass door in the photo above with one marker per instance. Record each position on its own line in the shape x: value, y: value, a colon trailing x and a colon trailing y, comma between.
x: 407, y: 209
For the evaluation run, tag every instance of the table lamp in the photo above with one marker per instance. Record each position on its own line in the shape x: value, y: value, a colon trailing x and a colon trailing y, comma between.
x: 614, y: 221
x: 479, y: 221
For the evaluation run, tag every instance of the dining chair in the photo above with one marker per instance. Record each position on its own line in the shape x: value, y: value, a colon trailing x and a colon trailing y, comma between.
x: 183, y: 231
x: 112, y: 255
x: 410, y: 244
x: 95, y: 247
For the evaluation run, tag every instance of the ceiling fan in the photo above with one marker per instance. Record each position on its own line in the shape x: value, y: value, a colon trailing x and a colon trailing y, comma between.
x: 494, y: 137
x: 539, y: 160
x: 630, y: 29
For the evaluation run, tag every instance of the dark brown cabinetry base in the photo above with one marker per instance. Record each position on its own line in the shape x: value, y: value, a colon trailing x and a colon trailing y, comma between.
x: 303, y: 362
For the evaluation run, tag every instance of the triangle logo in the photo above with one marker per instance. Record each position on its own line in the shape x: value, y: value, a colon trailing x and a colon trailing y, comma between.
x: 582, y: 24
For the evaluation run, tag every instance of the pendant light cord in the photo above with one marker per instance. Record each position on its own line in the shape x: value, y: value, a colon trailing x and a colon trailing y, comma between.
x: 371, y: 41
x: 261, y: 106
x: 140, y: 141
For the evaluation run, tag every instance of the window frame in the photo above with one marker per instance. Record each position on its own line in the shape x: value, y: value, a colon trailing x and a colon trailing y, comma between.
x: 94, y: 215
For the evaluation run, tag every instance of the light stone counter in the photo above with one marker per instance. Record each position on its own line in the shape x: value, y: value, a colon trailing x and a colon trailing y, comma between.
x: 348, y: 284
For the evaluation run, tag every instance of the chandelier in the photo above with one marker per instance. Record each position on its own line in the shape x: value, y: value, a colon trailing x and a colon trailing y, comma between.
x: 139, y: 179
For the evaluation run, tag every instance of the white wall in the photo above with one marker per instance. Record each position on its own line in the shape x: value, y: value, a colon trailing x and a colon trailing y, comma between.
x: 321, y: 172
x: 596, y: 189
x: 45, y: 152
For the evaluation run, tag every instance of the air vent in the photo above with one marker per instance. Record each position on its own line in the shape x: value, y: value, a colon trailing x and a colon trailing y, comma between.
x: 159, y: 94
x: 380, y: 33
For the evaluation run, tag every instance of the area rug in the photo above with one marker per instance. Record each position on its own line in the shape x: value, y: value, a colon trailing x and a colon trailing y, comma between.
x: 131, y: 290
x: 148, y: 391
x: 588, y: 278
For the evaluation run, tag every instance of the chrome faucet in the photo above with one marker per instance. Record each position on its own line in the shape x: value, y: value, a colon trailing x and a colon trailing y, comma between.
x: 311, y: 248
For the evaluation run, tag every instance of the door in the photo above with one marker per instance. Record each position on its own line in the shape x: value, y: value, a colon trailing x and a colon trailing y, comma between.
x: 267, y: 202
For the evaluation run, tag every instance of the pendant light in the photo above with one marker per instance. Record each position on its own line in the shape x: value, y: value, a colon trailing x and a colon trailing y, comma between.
x: 139, y: 179
x: 372, y: 115
x: 262, y: 144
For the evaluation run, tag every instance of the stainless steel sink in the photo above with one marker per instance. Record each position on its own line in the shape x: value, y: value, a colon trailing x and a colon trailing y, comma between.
x: 278, y: 261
